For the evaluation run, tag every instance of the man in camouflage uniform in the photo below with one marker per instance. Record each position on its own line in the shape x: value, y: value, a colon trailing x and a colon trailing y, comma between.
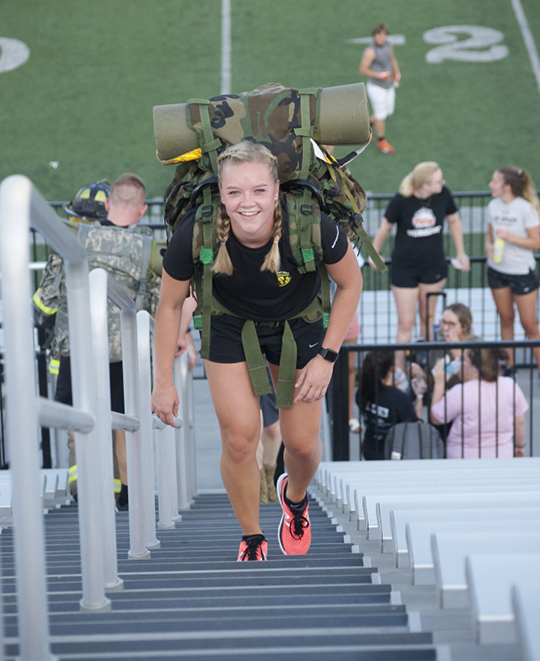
x: 115, y: 243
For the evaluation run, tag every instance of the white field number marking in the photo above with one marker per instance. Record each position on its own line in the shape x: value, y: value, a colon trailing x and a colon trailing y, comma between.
x: 481, y: 45
x: 13, y: 53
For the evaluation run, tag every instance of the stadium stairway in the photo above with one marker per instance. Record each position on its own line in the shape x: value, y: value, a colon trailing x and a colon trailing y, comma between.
x: 192, y: 600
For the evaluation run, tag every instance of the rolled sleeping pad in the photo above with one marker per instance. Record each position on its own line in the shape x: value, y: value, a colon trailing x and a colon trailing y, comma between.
x: 344, y: 116
x: 344, y: 120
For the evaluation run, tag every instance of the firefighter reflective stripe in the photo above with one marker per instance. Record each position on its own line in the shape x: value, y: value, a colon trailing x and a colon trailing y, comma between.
x: 54, y: 366
x: 72, y: 477
x: 41, y: 306
x: 72, y: 474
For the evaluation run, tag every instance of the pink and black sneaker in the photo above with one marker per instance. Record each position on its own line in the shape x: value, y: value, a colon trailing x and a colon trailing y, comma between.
x: 294, y: 532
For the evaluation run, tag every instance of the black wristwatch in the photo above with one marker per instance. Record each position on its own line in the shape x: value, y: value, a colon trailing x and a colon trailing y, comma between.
x: 329, y: 355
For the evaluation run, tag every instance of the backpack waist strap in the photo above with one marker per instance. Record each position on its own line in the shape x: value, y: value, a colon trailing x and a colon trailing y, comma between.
x: 287, y: 362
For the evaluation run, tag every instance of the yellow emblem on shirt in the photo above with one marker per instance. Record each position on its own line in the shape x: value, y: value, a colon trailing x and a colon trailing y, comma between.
x: 283, y: 278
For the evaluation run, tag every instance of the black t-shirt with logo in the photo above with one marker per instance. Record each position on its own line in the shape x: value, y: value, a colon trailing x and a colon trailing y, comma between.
x: 419, y: 238
x: 250, y: 292
x: 392, y: 406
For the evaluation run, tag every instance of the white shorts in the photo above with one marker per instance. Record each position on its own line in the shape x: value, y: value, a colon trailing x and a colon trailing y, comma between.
x: 382, y: 100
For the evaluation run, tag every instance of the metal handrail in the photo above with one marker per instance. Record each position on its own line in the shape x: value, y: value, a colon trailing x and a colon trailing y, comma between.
x: 22, y: 207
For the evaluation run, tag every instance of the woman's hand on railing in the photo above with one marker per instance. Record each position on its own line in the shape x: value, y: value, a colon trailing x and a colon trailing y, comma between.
x: 165, y: 403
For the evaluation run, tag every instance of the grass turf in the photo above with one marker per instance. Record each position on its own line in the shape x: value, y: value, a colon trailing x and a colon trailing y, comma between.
x: 84, y: 98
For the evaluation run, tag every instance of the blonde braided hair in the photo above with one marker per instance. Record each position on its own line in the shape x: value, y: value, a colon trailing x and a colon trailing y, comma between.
x: 223, y: 262
x: 272, y: 261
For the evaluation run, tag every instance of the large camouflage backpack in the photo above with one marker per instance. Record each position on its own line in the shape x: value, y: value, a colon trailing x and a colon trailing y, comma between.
x: 287, y: 122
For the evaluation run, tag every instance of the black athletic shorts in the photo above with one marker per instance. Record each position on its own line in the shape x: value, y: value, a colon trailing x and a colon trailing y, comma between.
x: 519, y: 284
x: 64, y: 392
x: 411, y: 277
x: 226, y: 340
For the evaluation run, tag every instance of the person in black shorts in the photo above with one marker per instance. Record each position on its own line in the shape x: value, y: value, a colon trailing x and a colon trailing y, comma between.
x: 256, y: 279
x: 419, y: 266
x: 513, y: 234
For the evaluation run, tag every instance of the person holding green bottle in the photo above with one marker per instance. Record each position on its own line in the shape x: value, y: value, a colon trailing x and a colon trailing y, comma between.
x: 513, y: 234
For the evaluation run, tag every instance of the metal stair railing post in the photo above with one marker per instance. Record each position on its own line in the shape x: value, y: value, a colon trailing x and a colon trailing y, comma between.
x: 189, y: 409
x: 100, y: 337
x: 164, y: 436
x: 84, y: 399
x: 167, y: 489
x: 144, y: 325
x: 161, y: 434
x: 183, y: 468
x: 89, y: 500
x: 134, y: 441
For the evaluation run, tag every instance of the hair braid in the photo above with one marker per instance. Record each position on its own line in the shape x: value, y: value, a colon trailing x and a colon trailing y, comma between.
x: 223, y: 262
x: 272, y: 261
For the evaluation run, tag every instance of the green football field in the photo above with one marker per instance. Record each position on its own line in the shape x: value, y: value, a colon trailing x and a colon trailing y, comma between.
x: 79, y: 107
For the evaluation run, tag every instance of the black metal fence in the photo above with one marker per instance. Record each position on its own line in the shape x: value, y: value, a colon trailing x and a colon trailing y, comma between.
x: 525, y: 376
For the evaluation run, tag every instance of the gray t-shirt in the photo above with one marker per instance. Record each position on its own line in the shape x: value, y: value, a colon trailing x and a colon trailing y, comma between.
x: 382, y: 62
x: 515, y: 217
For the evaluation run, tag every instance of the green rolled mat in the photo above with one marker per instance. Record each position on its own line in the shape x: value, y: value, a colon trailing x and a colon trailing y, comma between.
x: 343, y: 120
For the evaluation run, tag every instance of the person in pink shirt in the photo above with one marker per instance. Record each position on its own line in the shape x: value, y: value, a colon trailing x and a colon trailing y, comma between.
x: 487, y: 411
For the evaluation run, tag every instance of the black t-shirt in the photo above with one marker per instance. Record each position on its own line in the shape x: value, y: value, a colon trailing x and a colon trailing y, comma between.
x: 392, y: 406
x: 419, y: 238
x: 250, y: 292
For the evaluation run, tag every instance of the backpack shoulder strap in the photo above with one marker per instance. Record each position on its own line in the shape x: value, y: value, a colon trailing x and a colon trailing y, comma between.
x: 304, y: 220
x: 205, y: 217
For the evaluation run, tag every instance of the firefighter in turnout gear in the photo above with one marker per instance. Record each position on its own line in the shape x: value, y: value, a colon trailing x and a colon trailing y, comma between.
x: 105, y: 222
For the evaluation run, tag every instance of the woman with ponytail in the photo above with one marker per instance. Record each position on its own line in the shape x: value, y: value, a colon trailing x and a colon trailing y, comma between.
x: 513, y: 234
x: 256, y: 280
x: 419, y: 266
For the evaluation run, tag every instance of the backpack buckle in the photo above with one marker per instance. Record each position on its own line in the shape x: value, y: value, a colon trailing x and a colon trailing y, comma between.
x: 207, y: 210
x: 306, y: 209
x: 357, y: 219
x: 199, y: 189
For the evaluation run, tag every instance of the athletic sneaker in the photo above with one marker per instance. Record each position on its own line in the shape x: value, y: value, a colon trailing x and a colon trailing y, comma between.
x: 385, y: 147
x: 294, y: 532
x: 255, y: 547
